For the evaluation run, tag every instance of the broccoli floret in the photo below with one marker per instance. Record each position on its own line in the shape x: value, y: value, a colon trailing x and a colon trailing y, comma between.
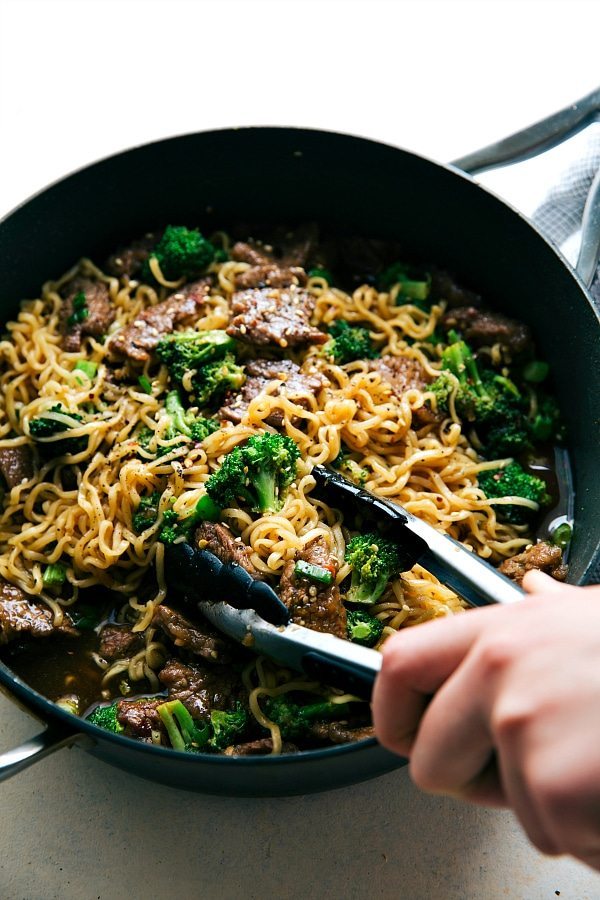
x: 182, y: 423
x: 513, y: 481
x: 257, y: 473
x: 545, y: 424
x: 183, y: 733
x: 56, y: 421
x: 147, y: 512
x: 215, y: 378
x: 202, y: 428
x: 414, y: 289
x: 181, y: 253
x: 349, y: 468
x: 375, y: 561
x: 363, y: 628
x: 348, y: 342
x: 489, y: 400
x: 172, y: 528
x: 295, y: 720
x: 105, y: 716
x: 185, y: 350
x: 227, y: 726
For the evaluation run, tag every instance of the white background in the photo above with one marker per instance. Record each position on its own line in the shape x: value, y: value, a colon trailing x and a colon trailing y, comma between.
x: 80, y: 79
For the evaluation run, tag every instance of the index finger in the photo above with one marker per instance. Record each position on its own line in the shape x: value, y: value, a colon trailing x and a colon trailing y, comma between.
x: 416, y: 662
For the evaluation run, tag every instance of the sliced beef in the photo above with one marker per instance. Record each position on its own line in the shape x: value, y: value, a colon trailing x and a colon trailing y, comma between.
x: 481, y: 328
x: 219, y: 540
x: 405, y: 374
x: 259, y: 373
x: 100, y: 312
x: 543, y: 556
x: 258, y: 748
x: 140, y: 717
x: 314, y: 605
x: 130, y: 259
x: 278, y: 317
x: 341, y: 732
x: 285, y: 247
x: 360, y: 260
x: 270, y: 276
x: 21, y: 616
x: 201, y: 689
x: 200, y: 639
x: 444, y: 287
x: 16, y: 464
x: 401, y: 372
x: 119, y: 642
x: 138, y: 340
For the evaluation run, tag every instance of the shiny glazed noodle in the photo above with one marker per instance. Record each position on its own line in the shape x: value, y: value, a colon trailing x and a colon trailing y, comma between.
x: 82, y: 515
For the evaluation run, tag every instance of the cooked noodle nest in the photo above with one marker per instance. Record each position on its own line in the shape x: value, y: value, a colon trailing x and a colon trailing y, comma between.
x: 82, y: 515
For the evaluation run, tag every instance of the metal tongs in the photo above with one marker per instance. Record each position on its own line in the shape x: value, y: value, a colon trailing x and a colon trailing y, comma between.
x: 255, y: 616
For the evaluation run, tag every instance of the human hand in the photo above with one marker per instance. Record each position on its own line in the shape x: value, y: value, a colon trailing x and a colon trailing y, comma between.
x: 501, y: 706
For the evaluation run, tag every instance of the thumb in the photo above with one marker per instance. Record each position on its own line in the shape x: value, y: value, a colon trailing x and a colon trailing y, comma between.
x: 536, y: 582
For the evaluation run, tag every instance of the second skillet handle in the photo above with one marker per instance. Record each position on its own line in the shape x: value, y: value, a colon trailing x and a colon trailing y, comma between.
x: 536, y: 139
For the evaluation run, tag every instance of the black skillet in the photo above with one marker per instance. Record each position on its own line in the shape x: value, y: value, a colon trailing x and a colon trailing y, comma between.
x: 352, y: 186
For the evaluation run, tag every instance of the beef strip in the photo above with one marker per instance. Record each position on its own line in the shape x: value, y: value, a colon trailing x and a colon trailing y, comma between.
x: 260, y: 747
x: 270, y: 276
x: 277, y: 317
x: 198, y: 638
x: 314, y: 605
x: 341, y: 732
x: 130, y: 259
x: 481, y: 327
x: 16, y: 464
x: 119, y: 642
x: 21, y: 616
x: 543, y: 556
x: 201, y: 689
x: 219, y: 540
x: 283, y: 246
x: 139, y: 339
x: 100, y: 312
x: 140, y: 717
x: 444, y: 287
x: 259, y: 373
x: 405, y: 374
x: 359, y: 260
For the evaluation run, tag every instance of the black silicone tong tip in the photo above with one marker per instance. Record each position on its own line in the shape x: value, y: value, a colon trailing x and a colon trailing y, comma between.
x: 200, y: 575
x: 354, y: 501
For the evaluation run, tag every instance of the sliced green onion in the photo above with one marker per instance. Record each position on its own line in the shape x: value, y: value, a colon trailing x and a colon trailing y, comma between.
x: 561, y: 536
x: 87, y: 366
x: 536, y: 371
x: 54, y: 575
x: 360, y: 631
x: 207, y: 510
x: 145, y: 384
x: 313, y: 573
x: 416, y: 290
x: 318, y: 272
x: 85, y: 616
x: 80, y: 310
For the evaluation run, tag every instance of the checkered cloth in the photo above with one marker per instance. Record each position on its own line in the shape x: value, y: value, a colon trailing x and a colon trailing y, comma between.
x: 559, y: 217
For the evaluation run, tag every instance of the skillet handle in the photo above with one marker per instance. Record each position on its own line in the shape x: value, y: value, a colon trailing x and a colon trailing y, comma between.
x: 536, y: 139
x: 52, y: 738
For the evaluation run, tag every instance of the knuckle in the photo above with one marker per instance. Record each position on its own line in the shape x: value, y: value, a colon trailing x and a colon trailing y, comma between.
x: 495, y: 654
x: 510, y: 719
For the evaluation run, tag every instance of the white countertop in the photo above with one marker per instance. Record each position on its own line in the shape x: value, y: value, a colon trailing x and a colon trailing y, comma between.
x: 80, y: 80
